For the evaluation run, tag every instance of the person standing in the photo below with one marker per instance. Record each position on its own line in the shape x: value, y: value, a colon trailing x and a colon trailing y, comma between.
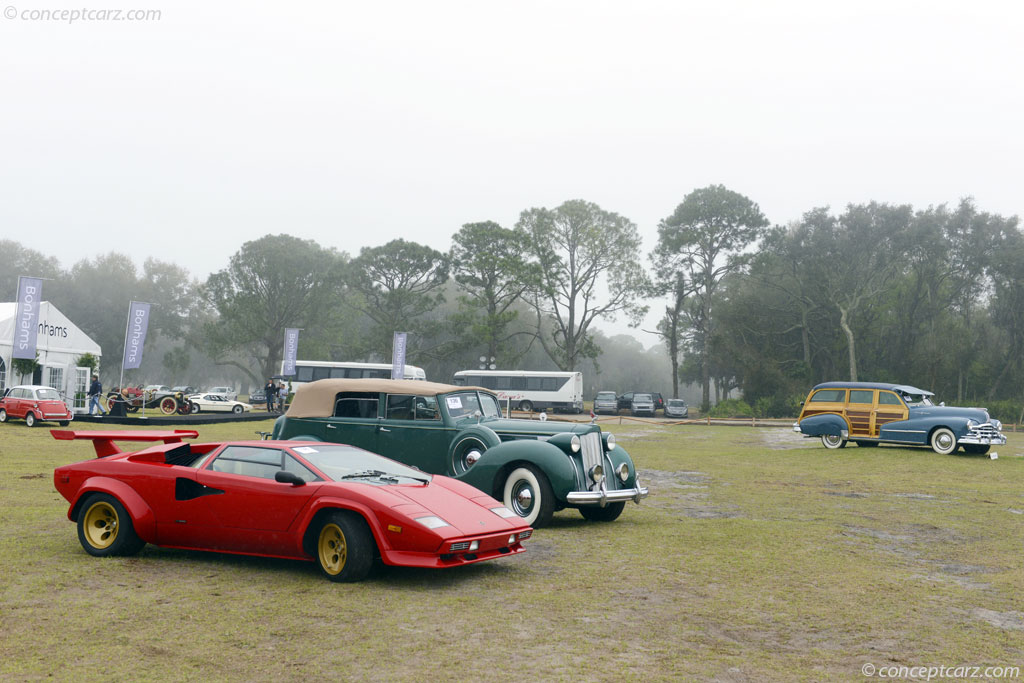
x: 282, y: 396
x: 270, y: 393
x: 95, y: 391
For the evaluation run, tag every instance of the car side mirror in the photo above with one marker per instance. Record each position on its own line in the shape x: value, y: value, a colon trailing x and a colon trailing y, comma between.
x: 289, y: 478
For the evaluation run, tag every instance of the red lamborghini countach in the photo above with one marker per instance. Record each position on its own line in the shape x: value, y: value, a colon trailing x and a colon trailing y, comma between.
x: 334, y: 504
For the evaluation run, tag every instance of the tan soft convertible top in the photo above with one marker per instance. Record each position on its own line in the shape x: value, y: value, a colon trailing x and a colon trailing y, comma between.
x: 316, y: 399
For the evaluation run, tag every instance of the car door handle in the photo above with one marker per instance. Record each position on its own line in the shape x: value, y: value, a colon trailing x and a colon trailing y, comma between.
x: 383, y: 429
x: 330, y: 426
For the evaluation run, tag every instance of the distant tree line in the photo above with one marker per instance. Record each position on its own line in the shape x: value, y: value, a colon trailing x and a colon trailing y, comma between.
x: 877, y: 292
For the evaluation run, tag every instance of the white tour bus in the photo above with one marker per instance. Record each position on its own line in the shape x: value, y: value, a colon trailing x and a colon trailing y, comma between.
x: 528, y: 390
x: 312, y: 370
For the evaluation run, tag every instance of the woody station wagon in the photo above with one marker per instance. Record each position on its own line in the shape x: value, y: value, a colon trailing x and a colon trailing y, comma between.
x: 535, y: 467
x: 871, y: 413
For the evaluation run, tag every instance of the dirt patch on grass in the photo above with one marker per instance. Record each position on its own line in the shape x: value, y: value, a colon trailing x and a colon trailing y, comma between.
x: 778, y: 439
x: 914, y: 542
x: 1010, y: 621
x: 686, y: 493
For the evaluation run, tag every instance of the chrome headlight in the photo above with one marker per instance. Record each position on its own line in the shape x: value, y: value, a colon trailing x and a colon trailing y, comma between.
x: 432, y: 522
x: 971, y: 424
x: 997, y: 424
x: 610, y: 441
x: 597, y: 474
x: 575, y: 444
x: 623, y: 472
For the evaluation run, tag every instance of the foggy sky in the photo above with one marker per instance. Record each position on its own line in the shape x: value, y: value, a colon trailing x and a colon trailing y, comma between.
x: 357, y: 123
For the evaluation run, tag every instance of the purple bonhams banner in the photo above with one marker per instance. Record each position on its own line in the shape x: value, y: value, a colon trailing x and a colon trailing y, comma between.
x: 30, y: 295
x: 291, y: 347
x: 135, y: 339
x: 398, y: 356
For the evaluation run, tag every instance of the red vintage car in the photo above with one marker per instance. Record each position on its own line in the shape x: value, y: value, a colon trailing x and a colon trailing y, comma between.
x: 33, y: 404
x: 337, y: 505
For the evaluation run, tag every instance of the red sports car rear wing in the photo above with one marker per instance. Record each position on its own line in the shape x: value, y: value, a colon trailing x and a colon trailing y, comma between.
x: 103, y: 442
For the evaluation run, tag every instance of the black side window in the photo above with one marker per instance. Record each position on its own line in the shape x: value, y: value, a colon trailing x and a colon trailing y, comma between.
x: 829, y: 396
x: 400, y: 407
x: 356, y: 404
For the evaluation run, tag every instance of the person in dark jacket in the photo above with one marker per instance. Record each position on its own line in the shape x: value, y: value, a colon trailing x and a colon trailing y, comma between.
x: 270, y: 392
x: 95, y: 391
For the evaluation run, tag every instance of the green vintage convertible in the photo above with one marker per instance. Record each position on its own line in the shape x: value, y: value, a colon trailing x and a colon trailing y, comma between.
x: 535, y: 467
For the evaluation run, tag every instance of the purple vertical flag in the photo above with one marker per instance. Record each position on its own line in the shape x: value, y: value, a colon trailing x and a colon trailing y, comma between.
x: 398, y: 356
x: 291, y: 347
x: 30, y: 296
x: 138, y: 323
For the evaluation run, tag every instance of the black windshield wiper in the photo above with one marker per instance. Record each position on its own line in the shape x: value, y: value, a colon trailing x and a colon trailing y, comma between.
x: 367, y: 474
x: 409, y: 476
x: 385, y: 476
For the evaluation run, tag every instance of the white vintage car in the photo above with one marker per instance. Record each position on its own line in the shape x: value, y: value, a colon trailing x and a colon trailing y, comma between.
x: 216, y: 403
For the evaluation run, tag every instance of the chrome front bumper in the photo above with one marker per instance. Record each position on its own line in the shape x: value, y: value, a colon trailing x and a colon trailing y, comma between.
x: 983, y: 435
x: 603, y: 496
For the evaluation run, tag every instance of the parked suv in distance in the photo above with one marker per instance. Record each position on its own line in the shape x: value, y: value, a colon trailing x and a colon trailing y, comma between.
x: 606, y: 402
x: 625, y: 401
x: 643, y: 404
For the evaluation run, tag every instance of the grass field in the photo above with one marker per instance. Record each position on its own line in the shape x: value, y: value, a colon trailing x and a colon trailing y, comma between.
x: 758, y: 556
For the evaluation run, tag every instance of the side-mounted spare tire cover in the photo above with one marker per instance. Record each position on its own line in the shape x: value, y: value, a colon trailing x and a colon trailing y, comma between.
x: 467, y: 446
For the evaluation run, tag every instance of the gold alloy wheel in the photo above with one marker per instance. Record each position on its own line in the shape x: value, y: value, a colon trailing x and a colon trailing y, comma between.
x: 100, y: 525
x: 332, y: 549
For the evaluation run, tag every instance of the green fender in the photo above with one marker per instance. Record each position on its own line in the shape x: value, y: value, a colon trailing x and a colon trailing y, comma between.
x: 489, y: 472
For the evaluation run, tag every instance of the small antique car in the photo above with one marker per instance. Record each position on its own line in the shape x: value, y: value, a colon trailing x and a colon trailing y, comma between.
x: 33, y: 403
x: 871, y: 413
x: 337, y: 505
x: 534, y: 466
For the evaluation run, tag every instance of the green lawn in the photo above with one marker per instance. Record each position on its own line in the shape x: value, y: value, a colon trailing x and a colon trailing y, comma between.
x: 758, y: 556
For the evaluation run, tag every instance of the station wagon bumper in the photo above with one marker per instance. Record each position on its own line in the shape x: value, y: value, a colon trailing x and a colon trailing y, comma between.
x: 603, y: 496
x: 986, y: 434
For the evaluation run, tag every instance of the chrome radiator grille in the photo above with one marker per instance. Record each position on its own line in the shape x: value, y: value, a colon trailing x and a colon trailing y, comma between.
x: 986, y: 430
x: 592, y: 453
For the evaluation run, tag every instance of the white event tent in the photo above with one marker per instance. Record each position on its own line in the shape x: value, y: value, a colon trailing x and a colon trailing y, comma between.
x: 59, y: 343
